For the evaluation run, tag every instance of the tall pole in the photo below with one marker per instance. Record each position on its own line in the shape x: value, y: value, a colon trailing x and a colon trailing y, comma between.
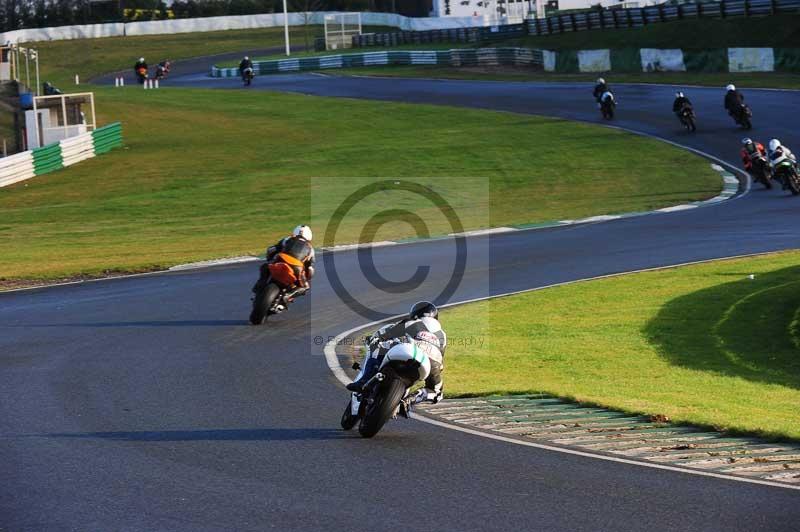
x: 286, y: 27
x: 38, y: 84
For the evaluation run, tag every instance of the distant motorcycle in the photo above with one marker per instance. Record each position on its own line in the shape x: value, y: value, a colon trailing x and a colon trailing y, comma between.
x: 385, y: 395
x: 743, y: 116
x: 162, y: 69
x: 785, y: 170
x: 274, y: 295
x: 607, y: 105
x: 247, y: 76
x: 687, y: 118
x: 141, y: 75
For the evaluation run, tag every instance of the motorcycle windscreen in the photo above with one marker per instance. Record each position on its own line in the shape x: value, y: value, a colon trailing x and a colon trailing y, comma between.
x: 282, y: 273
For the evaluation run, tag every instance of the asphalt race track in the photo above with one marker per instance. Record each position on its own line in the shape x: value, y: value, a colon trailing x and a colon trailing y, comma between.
x: 148, y: 403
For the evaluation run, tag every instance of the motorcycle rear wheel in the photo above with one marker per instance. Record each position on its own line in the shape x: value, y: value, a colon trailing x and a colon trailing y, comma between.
x: 385, y: 403
x: 262, y: 302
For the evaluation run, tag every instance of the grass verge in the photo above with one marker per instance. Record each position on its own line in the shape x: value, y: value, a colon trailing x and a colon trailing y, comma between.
x: 61, y: 60
x: 702, y: 344
x: 209, y: 173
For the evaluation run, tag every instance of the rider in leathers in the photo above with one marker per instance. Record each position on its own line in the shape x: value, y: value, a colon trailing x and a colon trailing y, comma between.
x: 600, y: 88
x: 777, y: 153
x: 422, y: 328
x: 734, y: 100
x: 296, y: 248
x: 244, y: 64
x: 751, y: 149
x: 680, y: 102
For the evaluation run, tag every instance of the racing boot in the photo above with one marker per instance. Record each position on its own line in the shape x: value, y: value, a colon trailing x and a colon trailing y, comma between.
x: 369, y: 370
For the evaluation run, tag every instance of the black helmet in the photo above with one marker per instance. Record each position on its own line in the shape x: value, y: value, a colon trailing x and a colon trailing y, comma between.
x: 422, y: 309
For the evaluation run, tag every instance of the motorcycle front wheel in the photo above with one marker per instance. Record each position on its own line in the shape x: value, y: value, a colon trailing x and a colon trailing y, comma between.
x: 348, y: 419
x: 794, y: 184
x: 384, y: 404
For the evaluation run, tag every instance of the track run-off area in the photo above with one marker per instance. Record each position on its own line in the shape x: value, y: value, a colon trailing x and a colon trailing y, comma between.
x: 149, y: 403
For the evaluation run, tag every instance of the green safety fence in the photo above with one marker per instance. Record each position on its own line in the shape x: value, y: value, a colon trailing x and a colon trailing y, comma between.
x: 455, y: 57
x: 713, y: 60
x: 787, y: 59
x: 626, y: 60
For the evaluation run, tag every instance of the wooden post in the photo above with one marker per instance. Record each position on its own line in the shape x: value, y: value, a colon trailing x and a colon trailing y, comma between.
x: 630, y: 19
x: 572, y: 22
x: 746, y: 8
x: 661, y: 17
x: 643, y: 14
x: 721, y: 8
x: 699, y: 9
x: 679, y: 11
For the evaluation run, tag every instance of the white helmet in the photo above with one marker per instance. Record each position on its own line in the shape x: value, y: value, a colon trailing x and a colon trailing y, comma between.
x: 600, y: 81
x: 246, y: 58
x: 141, y: 59
x: 679, y: 94
x: 730, y: 87
x: 774, y: 144
x: 303, y: 231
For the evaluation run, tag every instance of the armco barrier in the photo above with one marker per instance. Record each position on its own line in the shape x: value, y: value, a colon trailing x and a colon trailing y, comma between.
x: 55, y: 156
x: 451, y: 35
x: 234, y: 22
x: 456, y: 57
x: 639, y: 17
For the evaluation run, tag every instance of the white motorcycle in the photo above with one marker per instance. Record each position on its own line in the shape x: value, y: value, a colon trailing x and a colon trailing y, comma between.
x: 386, y: 394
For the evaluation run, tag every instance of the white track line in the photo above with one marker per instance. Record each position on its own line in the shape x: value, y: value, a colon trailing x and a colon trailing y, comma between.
x: 332, y: 359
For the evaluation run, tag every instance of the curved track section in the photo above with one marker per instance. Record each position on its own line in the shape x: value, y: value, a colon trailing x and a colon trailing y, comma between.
x: 148, y: 403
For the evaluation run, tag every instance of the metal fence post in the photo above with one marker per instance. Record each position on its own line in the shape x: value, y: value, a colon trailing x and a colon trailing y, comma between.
x: 721, y: 8
x: 699, y: 9
x: 643, y: 14
x: 746, y: 8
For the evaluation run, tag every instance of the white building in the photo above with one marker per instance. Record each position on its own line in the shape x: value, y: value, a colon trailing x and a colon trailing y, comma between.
x: 515, y: 11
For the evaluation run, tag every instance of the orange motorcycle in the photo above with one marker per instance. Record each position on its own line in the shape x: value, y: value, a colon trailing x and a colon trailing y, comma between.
x: 273, y: 292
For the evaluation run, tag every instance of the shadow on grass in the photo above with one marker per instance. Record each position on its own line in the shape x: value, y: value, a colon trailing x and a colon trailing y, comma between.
x: 738, y: 329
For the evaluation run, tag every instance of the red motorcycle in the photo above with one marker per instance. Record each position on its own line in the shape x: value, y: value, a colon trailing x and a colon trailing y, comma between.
x: 162, y: 69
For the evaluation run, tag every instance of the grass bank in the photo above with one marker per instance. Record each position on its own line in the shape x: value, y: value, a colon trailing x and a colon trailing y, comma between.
x: 89, y: 58
x: 771, y: 31
x: 700, y: 344
x: 217, y: 173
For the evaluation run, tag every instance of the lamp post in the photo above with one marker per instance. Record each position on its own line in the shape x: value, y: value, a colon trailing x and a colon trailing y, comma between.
x: 286, y: 27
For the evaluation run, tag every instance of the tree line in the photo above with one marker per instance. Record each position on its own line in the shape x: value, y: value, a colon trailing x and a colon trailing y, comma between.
x: 18, y: 14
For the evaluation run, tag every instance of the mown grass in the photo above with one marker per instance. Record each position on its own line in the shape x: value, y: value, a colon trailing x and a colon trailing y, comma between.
x: 701, y: 344
x: 61, y: 60
x: 209, y: 173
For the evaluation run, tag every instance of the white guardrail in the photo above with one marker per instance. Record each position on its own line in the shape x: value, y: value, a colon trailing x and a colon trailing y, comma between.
x: 55, y: 156
x: 242, y: 22
x: 16, y: 168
